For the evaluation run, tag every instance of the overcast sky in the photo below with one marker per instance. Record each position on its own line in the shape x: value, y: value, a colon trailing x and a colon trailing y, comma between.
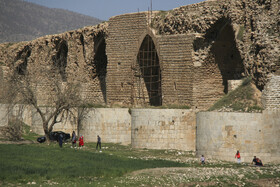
x: 104, y: 9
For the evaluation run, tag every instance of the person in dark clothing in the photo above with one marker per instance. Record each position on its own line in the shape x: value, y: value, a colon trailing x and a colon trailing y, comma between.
x: 60, y: 140
x: 98, y: 142
x: 257, y: 162
x: 74, y: 139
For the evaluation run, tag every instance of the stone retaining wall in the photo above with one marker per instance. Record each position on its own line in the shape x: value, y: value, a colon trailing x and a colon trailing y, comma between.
x: 163, y: 129
x: 113, y: 125
x: 220, y: 135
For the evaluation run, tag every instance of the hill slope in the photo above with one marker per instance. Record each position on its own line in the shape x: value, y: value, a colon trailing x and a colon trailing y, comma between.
x: 21, y: 21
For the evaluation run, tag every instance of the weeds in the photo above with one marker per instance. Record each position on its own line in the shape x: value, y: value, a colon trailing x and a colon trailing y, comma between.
x: 240, y: 99
x: 240, y: 33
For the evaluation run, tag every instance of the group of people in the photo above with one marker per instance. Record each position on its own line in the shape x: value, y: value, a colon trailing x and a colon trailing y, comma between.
x: 256, y: 161
x: 81, y: 141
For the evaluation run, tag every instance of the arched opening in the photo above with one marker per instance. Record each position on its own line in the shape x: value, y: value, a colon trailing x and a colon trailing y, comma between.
x: 60, y: 59
x: 150, y: 70
x: 100, y: 64
x: 24, y: 55
x: 224, y: 52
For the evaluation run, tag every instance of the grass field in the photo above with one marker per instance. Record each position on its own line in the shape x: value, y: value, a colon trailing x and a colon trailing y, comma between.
x: 117, y: 165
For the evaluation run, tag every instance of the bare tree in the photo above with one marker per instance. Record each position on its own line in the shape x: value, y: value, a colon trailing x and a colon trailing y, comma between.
x: 53, y: 99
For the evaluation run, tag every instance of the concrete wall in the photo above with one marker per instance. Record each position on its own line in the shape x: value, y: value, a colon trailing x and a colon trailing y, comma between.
x: 163, y: 129
x: 220, y: 135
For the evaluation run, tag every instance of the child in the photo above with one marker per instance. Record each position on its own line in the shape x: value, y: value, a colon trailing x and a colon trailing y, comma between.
x: 81, y: 141
x: 237, y: 155
x: 202, y: 159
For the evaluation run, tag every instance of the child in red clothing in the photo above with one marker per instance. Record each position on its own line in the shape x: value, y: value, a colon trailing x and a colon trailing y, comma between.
x: 81, y: 141
x: 237, y: 155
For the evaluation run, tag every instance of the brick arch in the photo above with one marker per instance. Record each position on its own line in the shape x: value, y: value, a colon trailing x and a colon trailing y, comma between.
x: 149, y: 70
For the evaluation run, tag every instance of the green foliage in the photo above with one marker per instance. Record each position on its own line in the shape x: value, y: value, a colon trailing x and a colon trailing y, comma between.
x: 28, y: 134
x: 240, y: 99
x: 240, y: 32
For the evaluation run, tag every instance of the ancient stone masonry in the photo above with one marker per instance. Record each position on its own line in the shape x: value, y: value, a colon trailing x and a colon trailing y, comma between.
x: 220, y: 134
x: 185, y: 56
x: 256, y: 26
x: 177, y: 75
x: 70, y: 55
x: 271, y: 93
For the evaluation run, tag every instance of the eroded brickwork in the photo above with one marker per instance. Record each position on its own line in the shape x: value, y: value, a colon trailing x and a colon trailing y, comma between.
x: 125, y: 35
x: 271, y: 93
x: 177, y: 69
x: 69, y: 55
x: 196, y: 50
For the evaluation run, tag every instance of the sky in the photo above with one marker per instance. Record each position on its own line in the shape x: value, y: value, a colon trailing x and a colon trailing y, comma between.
x: 104, y: 9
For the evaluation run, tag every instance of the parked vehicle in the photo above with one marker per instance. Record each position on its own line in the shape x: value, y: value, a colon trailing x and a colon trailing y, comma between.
x: 54, y: 136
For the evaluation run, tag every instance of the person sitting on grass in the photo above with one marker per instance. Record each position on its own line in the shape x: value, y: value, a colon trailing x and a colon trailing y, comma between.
x: 257, y: 162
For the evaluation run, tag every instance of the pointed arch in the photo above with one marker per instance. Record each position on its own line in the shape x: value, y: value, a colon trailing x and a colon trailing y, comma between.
x: 150, y: 70
x: 100, y: 63
x: 60, y: 59
x: 225, y: 52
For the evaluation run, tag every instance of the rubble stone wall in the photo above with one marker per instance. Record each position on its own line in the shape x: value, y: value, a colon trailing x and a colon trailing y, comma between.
x: 71, y: 54
x: 219, y: 135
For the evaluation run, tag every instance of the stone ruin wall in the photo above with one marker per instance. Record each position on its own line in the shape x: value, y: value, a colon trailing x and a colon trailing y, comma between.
x: 125, y: 85
x: 256, y: 24
x: 163, y: 129
x: 271, y: 93
x: 121, y: 49
x: 70, y: 54
x: 214, y: 134
x: 187, y: 46
x: 221, y: 134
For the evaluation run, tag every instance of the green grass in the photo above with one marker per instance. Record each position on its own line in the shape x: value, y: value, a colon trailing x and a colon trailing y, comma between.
x: 28, y: 134
x: 240, y: 99
x: 114, y: 166
x: 39, y: 162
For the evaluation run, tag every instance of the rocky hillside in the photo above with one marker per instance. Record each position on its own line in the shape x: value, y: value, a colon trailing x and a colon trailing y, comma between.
x: 23, y: 21
x: 256, y: 24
